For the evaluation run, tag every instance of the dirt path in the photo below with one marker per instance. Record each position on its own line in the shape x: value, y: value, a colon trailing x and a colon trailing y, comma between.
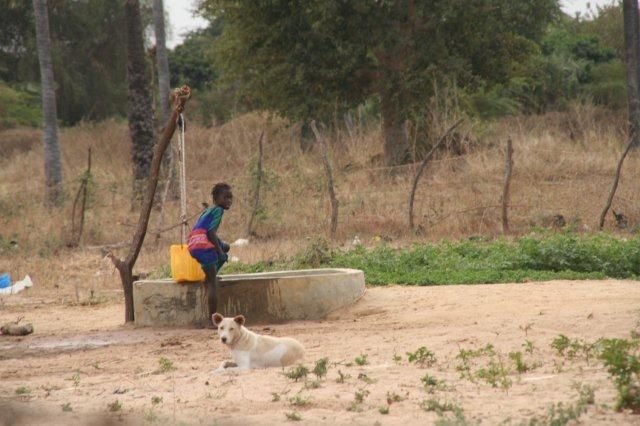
x: 84, y: 356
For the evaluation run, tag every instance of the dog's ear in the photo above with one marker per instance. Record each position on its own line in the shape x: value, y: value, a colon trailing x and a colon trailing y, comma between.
x: 239, y: 319
x: 217, y: 318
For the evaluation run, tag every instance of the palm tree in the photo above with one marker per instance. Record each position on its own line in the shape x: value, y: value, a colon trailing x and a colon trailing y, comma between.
x: 162, y: 58
x: 52, y: 166
x: 162, y: 62
x: 140, y: 112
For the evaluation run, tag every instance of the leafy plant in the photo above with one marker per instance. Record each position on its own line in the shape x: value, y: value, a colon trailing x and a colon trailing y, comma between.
x: 360, y: 395
x: 384, y: 409
x: 298, y: 401
x: 495, y: 374
x: 294, y: 416
x: 560, y: 344
x: 23, y: 390
x: 431, y: 384
x: 362, y: 359
x: 66, y: 407
x: 275, y: 397
x: 422, y: 356
x: 320, y: 369
x: 529, y: 346
x: 166, y: 365
x: 155, y: 400
x: 297, y: 373
x: 521, y: 365
x: 622, y: 359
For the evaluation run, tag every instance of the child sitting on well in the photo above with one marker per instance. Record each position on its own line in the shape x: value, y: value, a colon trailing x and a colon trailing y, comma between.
x: 205, y: 246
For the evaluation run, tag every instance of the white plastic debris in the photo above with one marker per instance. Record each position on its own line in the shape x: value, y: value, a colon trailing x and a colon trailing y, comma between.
x: 234, y: 259
x: 18, y: 286
x: 356, y: 241
x: 240, y: 242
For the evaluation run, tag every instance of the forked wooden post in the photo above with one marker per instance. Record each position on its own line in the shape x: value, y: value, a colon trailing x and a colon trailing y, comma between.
x: 329, y: 173
x: 506, y: 194
x: 614, y: 186
x: 423, y: 166
x: 125, y: 266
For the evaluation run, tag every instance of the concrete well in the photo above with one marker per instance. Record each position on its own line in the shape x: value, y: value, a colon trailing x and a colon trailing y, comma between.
x: 263, y: 298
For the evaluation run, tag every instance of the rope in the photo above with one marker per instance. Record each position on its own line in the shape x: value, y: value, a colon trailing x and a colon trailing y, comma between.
x: 183, y: 181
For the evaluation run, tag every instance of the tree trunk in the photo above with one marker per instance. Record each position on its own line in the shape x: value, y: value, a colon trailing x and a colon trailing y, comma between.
x: 162, y: 59
x: 170, y: 172
x: 52, y: 165
x: 632, y: 41
x: 140, y: 114
x: 125, y: 266
x: 396, y: 144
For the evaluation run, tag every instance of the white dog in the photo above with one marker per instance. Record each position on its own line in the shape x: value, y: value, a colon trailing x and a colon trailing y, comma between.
x: 251, y: 350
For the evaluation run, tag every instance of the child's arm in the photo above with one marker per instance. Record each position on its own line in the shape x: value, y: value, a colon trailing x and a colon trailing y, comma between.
x: 213, y: 237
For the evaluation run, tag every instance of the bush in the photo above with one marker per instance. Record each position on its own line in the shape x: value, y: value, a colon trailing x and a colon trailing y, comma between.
x: 537, y: 257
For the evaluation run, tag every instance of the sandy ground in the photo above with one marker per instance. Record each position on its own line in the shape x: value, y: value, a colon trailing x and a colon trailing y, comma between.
x: 86, y: 357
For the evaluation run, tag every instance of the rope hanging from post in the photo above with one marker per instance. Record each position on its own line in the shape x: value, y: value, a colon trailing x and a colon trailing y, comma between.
x: 183, y: 181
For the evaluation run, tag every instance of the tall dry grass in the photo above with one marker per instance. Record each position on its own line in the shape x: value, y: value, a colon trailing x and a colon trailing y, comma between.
x: 563, y: 164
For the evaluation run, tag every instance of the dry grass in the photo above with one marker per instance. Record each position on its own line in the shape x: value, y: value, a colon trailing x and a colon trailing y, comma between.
x: 563, y: 164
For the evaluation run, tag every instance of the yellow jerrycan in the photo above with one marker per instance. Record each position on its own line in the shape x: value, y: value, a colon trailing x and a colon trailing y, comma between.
x: 184, y: 268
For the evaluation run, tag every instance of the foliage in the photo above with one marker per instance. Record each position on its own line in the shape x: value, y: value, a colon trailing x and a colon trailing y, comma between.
x: 561, y: 414
x: 536, y: 257
x: 297, y: 373
x: 622, y: 359
x: 362, y: 359
x: 166, y: 365
x: 19, y: 105
x: 320, y: 59
x: 422, y: 356
x: 320, y: 369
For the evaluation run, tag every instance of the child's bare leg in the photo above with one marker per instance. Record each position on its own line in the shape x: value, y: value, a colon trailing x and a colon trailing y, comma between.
x: 211, y: 283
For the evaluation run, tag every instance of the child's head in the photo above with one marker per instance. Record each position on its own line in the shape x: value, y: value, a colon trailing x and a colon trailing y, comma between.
x: 222, y: 195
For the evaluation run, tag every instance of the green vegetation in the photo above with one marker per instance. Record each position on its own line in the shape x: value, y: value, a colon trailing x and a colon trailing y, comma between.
x: 561, y: 414
x: 294, y: 416
x: 66, y: 407
x: 536, y: 257
x: 23, y: 390
x: 320, y: 369
x: 166, y: 365
x: 622, y: 359
x: 115, y: 406
x: 297, y: 373
x: 362, y: 359
x: 19, y: 105
x: 422, y: 357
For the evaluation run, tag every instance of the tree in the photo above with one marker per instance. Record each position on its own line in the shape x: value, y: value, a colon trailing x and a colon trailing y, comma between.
x: 140, y: 112
x: 631, y: 42
x: 162, y: 58
x: 88, y: 55
x: 309, y: 60
x: 52, y: 165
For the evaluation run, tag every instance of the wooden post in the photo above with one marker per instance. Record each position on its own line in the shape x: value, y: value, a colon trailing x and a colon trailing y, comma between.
x: 256, y: 194
x: 125, y: 266
x: 422, y: 167
x: 329, y: 174
x: 506, y: 196
x: 76, y: 234
x: 616, y: 179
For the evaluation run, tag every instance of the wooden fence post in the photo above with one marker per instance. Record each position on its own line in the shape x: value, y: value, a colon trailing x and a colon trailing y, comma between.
x: 329, y: 173
x: 506, y: 196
